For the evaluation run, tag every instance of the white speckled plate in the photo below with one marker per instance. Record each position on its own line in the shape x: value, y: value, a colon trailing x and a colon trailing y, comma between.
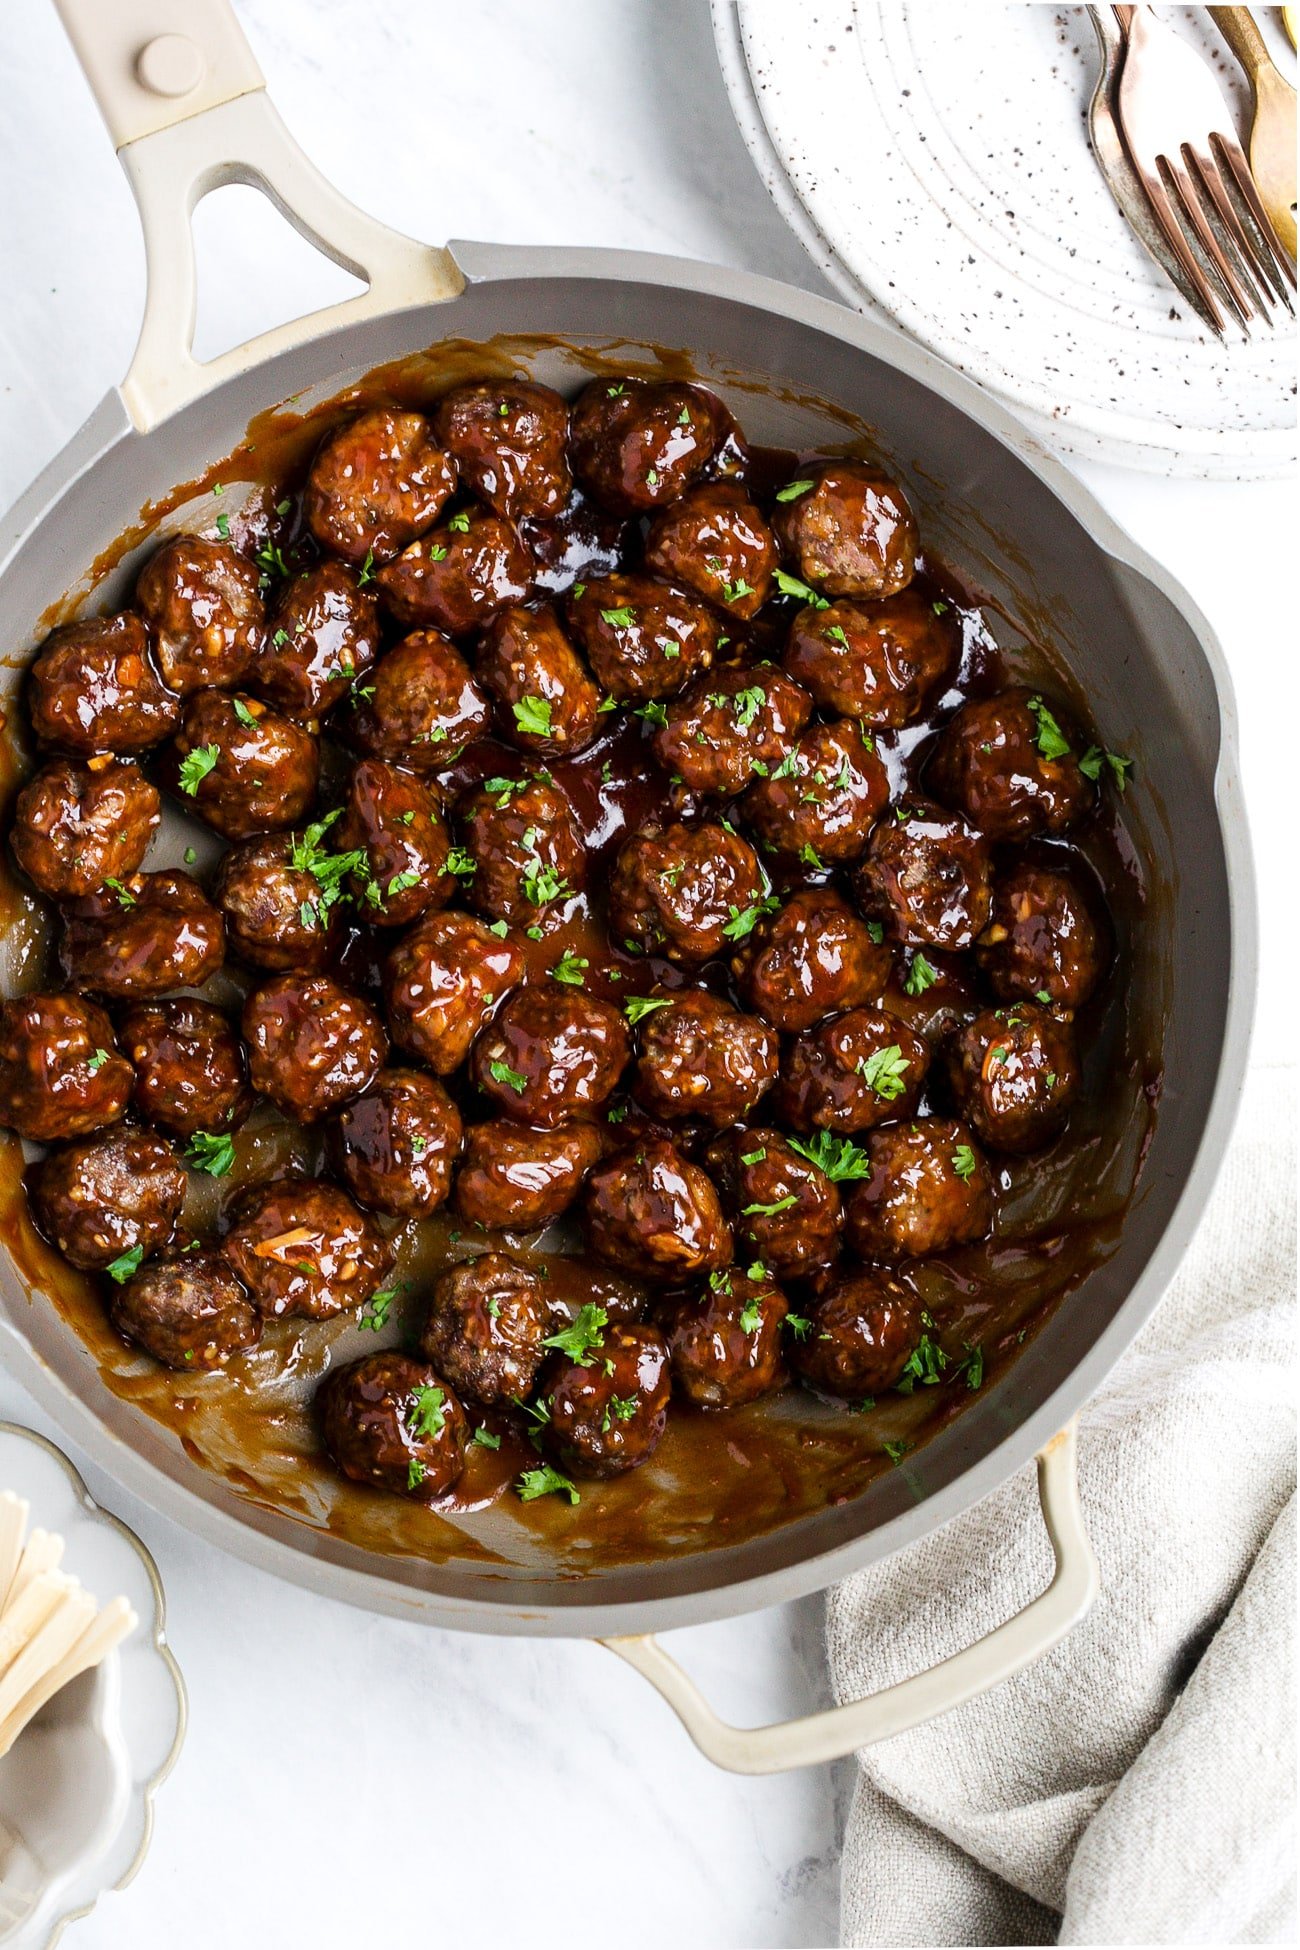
x: 933, y: 156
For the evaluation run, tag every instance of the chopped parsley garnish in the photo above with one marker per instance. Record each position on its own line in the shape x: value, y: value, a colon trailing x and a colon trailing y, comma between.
x: 791, y: 586
x: 621, y: 1407
x: 751, y: 1318
x: 210, y: 1151
x: 1095, y: 757
x: 502, y: 1073
x: 195, y: 766
x: 800, y: 1326
x: 1041, y: 995
x: 97, y: 1062
x: 835, y: 634
x: 376, y: 1314
x: 616, y: 1114
x: 972, y: 1367
x: 542, y: 884
x: 619, y: 619
x: 540, y: 1482
x: 584, y: 1334
x: 876, y: 929
x: 1051, y: 740
x: 367, y: 570
x: 769, y: 1211
x: 744, y: 920
x: 125, y: 1265
x: 486, y: 1439
x: 569, y: 969
x: 920, y: 976
x: 809, y: 857
x: 505, y: 789
x: 223, y: 526
x: 242, y: 711
x: 459, y: 523
x: 125, y: 898
x: 638, y: 1007
x: 838, y: 1157
x: 652, y: 713
x: 793, y: 490
x: 964, y: 1161
x: 754, y: 1157
x: 271, y: 557
x: 500, y: 929
x: 190, y: 856
x: 414, y: 1473
x: 896, y: 1451
x: 924, y: 1366
x: 533, y: 716
x: 732, y: 592
x: 460, y: 862
x: 882, y: 1072
x: 428, y: 1416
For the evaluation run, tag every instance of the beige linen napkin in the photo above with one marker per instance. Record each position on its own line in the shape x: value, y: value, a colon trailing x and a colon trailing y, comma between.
x: 1136, y: 1785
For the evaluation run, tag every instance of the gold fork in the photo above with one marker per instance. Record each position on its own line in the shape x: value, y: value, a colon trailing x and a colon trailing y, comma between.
x: 1273, y: 128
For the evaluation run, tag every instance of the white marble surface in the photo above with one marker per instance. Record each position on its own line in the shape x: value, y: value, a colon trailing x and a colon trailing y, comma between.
x: 349, y: 1778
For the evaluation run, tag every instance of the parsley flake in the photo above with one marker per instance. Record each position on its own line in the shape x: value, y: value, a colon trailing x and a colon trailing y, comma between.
x: 839, y: 1158
x: 793, y: 491
x: 791, y: 586
x: 195, y: 766
x: 533, y: 716
x: 920, y: 976
x: 540, y: 1482
x: 210, y: 1151
x: 502, y: 1073
x: 638, y: 1007
x: 882, y: 1072
x: 1051, y: 740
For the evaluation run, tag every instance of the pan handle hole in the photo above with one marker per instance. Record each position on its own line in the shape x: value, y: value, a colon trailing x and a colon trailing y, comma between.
x: 255, y: 272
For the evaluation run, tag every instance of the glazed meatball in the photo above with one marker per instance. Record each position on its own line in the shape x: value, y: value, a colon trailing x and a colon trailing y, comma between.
x: 78, y: 825
x: 508, y: 439
x: 190, y: 1073
x: 279, y: 914
x: 394, y: 1146
x: 643, y: 639
x: 188, y: 1310
x: 420, y: 707
x: 702, y: 1058
x: 442, y: 982
x: 527, y: 849
x: 486, y: 1325
x: 856, y: 1070
x: 241, y: 767
x: 731, y: 726
x: 109, y: 1195
x: 784, y: 1209
x: 926, y: 877
x: 851, y: 532
x: 304, y: 1250
x: 457, y: 577
x: 94, y: 688
x: 810, y: 958
x: 517, y: 1180
x: 375, y: 484
x: 1015, y: 1073
x: 715, y: 541
x: 863, y: 1333
x: 635, y: 444
x: 881, y: 662
x: 725, y: 1342
x: 607, y: 1413
x: 311, y: 1045
x: 1008, y: 762
x: 685, y: 892
x: 820, y: 804
x: 929, y: 1189
x: 651, y: 1212
x: 61, y: 1072
x: 203, y: 606
x: 322, y: 635
x: 392, y: 1422
x: 392, y: 825
x: 142, y: 936
x: 546, y: 701
x: 1043, y: 939
x: 551, y: 1054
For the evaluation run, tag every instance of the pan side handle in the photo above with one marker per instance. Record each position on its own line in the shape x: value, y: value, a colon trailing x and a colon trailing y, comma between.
x: 1006, y: 1650
x: 186, y: 106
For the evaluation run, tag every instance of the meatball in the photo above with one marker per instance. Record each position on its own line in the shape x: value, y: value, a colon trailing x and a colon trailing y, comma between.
x: 458, y: 577
x: 651, y: 1212
x: 1015, y: 1073
x: 785, y: 1209
x: 881, y: 662
x: 322, y: 635
x: 551, y: 1054
x: 927, y: 877
x: 810, y: 958
x: 702, y: 1058
x: 635, y: 444
x: 643, y: 639
x: 203, y: 606
x: 311, y: 1045
x: 929, y: 1189
x: 731, y: 726
x: 820, y: 804
x: 851, y: 531
x: 442, y: 982
x: 1043, y: 939
x: 391, y: 1422
x: 546, y: 700
x: 527, y: 848
x: 863, y: 1334
x: 375, y: 484
x: 279, y: 899
x: 303, y: 1249
x: 394, y: 1147
x: 142, y: 936
x: 241, y: 767
x: 420, y: 707
x: 517, y: 1180
x: 190, y: 1073
x: 188, y: 1310
x: 116, y: 1194
x: 1008, y: 763
x: 607, y: 1414
x: 725, y: 1343
x: 855, y: 1070
x: 715, y: 541
x: 486, y: 1325
x: 508, y: 439
x: 685, y: 892
x: 393, y: 829
x: 61, y: 1073
x: 94, y: 688
x: 78, y: 825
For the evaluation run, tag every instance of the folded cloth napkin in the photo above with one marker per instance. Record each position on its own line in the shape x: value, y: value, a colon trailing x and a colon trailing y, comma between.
x: 1135, y: 1785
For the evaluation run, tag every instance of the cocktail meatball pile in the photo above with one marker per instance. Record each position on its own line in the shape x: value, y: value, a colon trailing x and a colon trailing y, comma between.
x: 643, y: 897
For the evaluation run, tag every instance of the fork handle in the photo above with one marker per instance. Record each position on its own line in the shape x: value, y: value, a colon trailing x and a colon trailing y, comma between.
x: 1244, y: 38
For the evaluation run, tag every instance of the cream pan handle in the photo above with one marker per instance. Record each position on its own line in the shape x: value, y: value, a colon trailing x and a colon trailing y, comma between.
x: 1008, y: 1649
x: 188, y: 112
